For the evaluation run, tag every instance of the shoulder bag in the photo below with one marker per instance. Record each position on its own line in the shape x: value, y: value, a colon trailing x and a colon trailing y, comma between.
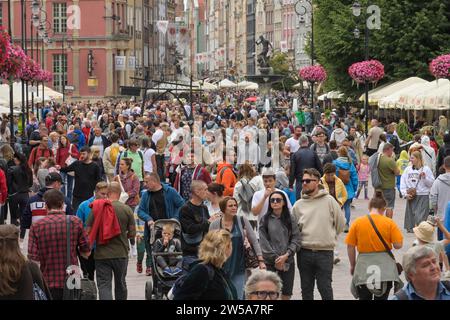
x: 399, y: 266
x: 70, y: 160
x: 83, y: 288
x: 251, y: 259
x: 123, y: 195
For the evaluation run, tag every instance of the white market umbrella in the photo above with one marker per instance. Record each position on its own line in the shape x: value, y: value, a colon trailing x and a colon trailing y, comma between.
x: 253, y: 86
x: 225, y: 83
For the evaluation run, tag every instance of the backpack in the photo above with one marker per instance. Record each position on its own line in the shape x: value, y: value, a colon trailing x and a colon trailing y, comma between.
x: 374, y: 161
x: 246, y: 195
x: 114, y: 154
x: 401, y: 294
x: 222, y: 171
x: 326, y: 146
x: 344, y: 175
x: 178, y: 284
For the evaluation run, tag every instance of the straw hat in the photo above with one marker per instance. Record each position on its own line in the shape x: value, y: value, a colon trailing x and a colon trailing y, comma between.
x: 424, y: 232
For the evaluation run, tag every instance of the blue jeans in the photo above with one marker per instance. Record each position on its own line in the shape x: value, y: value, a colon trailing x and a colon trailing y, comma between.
x: 398, y: 178
x: 347, y: 210
x: 238, y: 281
x: 67, y: 188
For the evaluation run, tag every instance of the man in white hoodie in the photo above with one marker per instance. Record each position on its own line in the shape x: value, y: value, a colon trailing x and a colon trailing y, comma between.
x: 338, y: 134
x: 440, y: 193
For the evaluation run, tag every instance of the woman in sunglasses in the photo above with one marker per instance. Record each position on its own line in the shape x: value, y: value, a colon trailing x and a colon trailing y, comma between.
x: 242, y: 234
x: 279, y: 239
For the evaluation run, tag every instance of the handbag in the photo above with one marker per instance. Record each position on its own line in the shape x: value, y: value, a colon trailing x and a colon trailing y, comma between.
x: 85, y: 289
x: 412, y: 192
x: 399, y: 266
x: 70, y: 160
x: 123, y: 195
x: 251, y: 259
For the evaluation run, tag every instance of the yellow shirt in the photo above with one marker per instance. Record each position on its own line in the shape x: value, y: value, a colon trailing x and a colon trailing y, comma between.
x: 363, y: 236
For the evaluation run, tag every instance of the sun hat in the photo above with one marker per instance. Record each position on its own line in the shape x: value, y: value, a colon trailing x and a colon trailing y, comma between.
x: 424, y: 232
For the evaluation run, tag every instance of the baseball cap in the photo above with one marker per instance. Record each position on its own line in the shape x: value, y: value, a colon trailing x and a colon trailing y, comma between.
x: 53, y: 177
x: 268, y: 172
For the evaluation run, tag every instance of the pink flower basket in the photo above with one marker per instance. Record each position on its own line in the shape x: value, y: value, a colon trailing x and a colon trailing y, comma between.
x: 370, y: 71
x: 313, y: 73
x: 14, y: 65
x: 440, y: 67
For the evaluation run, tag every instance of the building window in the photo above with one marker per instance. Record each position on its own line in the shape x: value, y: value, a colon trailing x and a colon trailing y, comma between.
x: 59, y: 71
x: 1, y: 13
x: 59, y: 17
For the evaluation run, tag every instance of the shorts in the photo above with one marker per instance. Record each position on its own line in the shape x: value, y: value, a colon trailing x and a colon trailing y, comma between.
x: 389, y: 196
x: 287, y: 278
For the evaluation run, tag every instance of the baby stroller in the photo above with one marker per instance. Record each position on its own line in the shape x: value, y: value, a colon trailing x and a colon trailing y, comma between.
x: 160, y: 283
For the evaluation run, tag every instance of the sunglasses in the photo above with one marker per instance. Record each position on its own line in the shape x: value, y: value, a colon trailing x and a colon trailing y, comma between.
x: 273, y: 295
x: 307, y: 181
x: 276, y: 200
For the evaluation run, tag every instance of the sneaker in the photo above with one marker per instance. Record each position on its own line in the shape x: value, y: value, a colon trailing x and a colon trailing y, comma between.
x: 176, y: 271
x: 346, y: 228
x: 167, y: 272
x: 336, y: 260
x: 139, y: 267
x: 148, y: 271
x: 366, y: 199
x: 134, y: 250
x: 352, y: 206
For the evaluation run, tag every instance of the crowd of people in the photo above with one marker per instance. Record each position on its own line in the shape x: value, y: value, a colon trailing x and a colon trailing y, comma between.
x: 256, y: 195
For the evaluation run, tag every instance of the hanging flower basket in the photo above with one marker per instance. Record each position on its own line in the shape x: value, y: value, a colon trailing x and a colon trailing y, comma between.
x: 440, y: 67
x: 31, y: 70
x: 313, y: 73
x: 47, y: 76
x: 370, y: 71
x: 5, y: 44
x: 14, y: 65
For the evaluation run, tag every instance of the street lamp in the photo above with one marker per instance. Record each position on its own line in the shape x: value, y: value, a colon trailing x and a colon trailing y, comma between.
x: 302, y: 7
x: 368, y: 25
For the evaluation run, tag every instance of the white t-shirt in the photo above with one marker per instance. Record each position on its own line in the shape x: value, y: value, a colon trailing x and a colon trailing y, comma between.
x: 148, y: 154
x: 259, y: 195
x: 293, y: 144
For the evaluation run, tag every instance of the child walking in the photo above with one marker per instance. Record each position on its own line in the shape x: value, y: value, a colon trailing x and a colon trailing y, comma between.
x: 363, y: 176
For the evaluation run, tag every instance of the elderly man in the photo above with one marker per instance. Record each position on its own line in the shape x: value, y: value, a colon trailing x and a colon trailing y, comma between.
x: 99, y: 140
x: 421, y: 266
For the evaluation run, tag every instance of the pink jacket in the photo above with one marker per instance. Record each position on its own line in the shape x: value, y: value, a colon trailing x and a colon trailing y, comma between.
x: 363, y: 172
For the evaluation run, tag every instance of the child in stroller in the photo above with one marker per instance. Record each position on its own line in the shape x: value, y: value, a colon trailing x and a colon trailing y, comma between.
x: 170, y: 264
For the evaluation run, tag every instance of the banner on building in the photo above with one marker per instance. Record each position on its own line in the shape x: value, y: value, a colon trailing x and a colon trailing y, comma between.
x: 283, y: 46
x: 131, y: 63
x: 120, y: 63
x: 183, y: 38
x: 172, y: 34
x: 162, y: 26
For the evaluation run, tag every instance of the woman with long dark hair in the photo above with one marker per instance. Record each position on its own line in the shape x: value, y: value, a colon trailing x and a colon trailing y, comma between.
x: 279, y: 238
x: 20, y: 277
x: 20, y: 180
x: 5, y: 133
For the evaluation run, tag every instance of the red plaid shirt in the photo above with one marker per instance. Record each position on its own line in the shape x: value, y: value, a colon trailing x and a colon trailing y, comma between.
x: 48, y: 244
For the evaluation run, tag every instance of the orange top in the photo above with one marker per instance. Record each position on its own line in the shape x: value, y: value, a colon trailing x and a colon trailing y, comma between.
x: 363, y: 236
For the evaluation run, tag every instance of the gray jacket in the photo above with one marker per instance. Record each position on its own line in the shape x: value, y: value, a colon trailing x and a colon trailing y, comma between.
x: 275, y: 240
x: 440, y: 194
x: 215, y: 225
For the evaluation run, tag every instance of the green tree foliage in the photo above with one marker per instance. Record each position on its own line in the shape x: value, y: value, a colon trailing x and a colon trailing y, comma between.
x: 412, y: 33
x: 281, y: 65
